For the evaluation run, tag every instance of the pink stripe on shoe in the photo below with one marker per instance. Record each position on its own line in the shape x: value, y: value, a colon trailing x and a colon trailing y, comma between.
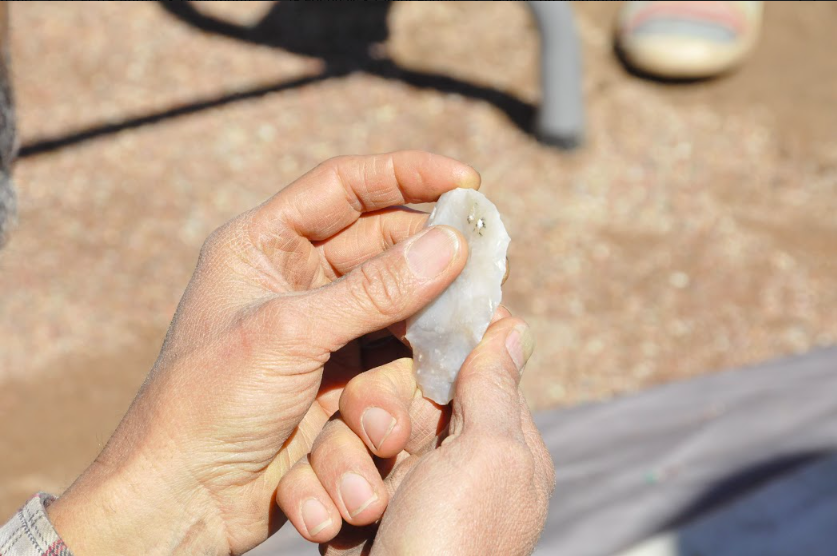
x: 722, y: 13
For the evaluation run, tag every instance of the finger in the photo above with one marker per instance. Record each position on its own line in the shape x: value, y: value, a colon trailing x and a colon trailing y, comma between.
x: 501, y: 313
x: 386, y: 289
x: 334, y: 194
x: 346, y: 470
x: 352, y: 541
x: 375, y: 405
x: 307, y: 505
x: 485, y: 394
x: 368, y: 237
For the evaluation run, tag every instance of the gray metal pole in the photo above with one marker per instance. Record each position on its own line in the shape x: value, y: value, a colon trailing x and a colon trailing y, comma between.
x: 560, y: 120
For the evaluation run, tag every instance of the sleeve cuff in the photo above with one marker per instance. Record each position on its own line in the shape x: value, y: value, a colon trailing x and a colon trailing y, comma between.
x: 29, y: 532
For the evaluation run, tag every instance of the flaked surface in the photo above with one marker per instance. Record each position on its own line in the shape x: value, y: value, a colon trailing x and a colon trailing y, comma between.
x: 444, y: 333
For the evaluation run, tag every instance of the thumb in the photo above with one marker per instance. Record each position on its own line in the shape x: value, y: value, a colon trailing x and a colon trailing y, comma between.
x: 486, y: 397
x: 389, y: 288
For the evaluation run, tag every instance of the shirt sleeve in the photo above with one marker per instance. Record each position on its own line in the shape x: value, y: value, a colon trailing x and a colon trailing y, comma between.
x: 29, y: 532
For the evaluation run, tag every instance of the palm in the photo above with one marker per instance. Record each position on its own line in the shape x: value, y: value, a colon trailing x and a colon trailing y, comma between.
x: 325, y: 262
x: 342, y: 367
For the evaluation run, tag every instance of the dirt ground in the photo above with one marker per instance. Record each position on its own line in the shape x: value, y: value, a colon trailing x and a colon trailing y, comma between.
x: 695, y: 231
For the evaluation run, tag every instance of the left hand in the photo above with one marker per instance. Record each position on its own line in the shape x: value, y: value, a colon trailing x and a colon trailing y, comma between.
x: 246, y: 378
x: 484, y: 490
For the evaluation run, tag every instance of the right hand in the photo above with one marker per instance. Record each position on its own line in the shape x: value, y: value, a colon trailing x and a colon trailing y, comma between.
x: 485, y: 490
x: 267, y: 335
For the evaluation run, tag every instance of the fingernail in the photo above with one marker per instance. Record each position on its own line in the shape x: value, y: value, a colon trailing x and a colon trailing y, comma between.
x: 520, y: 344
x: 356, y: 492
x: 377, y: 424
x: 432, y: 252
x: 315, y: 516
x: 468, y: 178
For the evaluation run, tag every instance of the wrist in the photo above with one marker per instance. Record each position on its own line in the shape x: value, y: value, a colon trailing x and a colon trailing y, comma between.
x: 131, y: 508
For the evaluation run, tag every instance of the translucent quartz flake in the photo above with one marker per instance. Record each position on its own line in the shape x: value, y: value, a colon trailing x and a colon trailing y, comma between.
x: 444, y: 333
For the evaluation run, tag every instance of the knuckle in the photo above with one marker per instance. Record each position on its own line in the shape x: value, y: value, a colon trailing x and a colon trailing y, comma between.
x: 498, y: 366
x: 279, y: 330
x: 519, y: 459
x: 547, y: 468
x: 549, y: 478
x: 277, y: 319
x: 210, y: 245
x: 505, y: 455
x: 335, y: 162
x: 399, y: 379
x: 226, y: 237
x: 384, y: 384
x: 491, y: 381
x: 380, y: 288
x: 352, y: 392
x: 544, y: 466
x: 342, y: 168
x: 288, y: 483
x: 335, y: 443
x: 544, y: 469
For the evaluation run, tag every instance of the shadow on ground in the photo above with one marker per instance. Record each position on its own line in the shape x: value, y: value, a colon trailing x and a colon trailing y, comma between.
x: 346, y: 36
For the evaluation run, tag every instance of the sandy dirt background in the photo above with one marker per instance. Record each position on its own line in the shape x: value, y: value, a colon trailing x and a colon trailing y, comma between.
x: 695, y: 231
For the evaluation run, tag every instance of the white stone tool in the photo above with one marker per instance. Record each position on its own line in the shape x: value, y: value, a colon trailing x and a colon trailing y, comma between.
x: 447, y: 330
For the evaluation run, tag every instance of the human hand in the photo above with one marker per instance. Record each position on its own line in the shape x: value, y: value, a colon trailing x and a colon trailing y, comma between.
x: 258, y: 353
x: 485, y: 490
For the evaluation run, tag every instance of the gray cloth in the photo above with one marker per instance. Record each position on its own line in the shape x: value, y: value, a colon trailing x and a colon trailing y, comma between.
x: 656, y: 461
x: 794, y: 514
x: 634, y: 466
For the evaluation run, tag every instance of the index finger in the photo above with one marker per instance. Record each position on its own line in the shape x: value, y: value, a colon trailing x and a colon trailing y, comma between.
x: 334, y: 194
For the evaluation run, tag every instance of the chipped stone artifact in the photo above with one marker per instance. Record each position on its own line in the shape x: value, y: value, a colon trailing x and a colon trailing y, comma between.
x: 447, y: 330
